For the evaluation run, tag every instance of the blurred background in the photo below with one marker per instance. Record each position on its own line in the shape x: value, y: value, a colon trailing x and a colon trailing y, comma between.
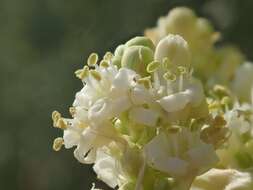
x: 42, y: 43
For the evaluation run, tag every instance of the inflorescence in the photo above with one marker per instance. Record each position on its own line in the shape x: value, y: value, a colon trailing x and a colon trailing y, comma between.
x: 165, y: 111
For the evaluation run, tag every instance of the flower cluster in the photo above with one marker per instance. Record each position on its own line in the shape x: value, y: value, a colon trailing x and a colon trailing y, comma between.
x: 168, y: 111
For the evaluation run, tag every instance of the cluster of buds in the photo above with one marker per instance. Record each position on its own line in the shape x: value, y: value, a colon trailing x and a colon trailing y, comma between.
x: 149, y: 118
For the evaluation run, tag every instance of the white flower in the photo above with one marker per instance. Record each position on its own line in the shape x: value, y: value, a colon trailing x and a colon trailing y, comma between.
x: 223, y: 179
x: 144, y: 116
x: 237, y: 153
x: 107, y: 168
x: 180, y: 154
x: 181, y: 104
x: 104, y: 96
x: 243, y: 81
x: 88, y: 139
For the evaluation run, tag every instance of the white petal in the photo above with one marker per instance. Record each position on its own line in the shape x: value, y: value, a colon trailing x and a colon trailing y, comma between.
x: 100, y: 111
x: 195, y: 92
x: 156, y: 152
x: 226, y: 179
x: 243, y: 81
x: 81, y: 152
x: 174, y: 102
x: 156, y: 148
x: 81, y: 114
x: 123, y: 81
x: 144, y: 116
x: 119, y: 105
x: 174, y: 166
x: 140, y: 95
x: 106, y: 169
x: 71, y: 138
x: 202, y: 156
x: 84, y: 97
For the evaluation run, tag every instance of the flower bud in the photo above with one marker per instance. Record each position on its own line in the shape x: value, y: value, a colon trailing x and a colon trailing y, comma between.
x: 180, y: 21
x: 175, y: 48
x: 244, y: 81
x: 137, y: 58
x: 141, y: 41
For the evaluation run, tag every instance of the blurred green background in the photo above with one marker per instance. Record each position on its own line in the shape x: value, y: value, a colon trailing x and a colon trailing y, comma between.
x: 42, y: 43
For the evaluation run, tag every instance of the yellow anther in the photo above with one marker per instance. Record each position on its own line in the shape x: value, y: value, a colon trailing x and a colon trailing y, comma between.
x: 108, y: 56
x: 214, y: 105
x: 58, y: 142
x: 166, y: 63
x: 61, y: 124
x: 72, y: 111
x: 95, y: 75
x: 104, y: 64
x: 93, y: 59
x: 56, y: 116
x: 181, y: 70
x: 221, y: 90
x: 169, y: 76
x: 146, y: 82
x: 173, y: 129
x: 82, y: 73
x: 226, y: 100
x: 153, y: 66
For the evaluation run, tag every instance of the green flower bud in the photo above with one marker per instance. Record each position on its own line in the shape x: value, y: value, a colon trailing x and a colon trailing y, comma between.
x: 137, y: 58
x: 116, y: 60
x: 119, y: 50
x: 141, y: 41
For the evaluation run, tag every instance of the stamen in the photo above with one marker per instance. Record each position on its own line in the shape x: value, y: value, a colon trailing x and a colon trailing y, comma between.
x: 82, y: 73
x: 226, y: 101
x: 93, y: 59
x: 221, y: 90
x: 55, y: 116
x: 169, y: 76
x: 95, y: 75
x: 104, y: 64
x: 182, y: 71
x: 173, y: 129
x: 153, y: 66
x: 108, y: 56
x: 214, y: 105
x: 175, y: 145
x: 58, y: 142
x: 166, y: 63
x: 146, y: 82
x: 61, y: 124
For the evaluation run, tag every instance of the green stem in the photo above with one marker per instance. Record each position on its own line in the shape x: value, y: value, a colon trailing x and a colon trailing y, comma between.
x: 183, y: 184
